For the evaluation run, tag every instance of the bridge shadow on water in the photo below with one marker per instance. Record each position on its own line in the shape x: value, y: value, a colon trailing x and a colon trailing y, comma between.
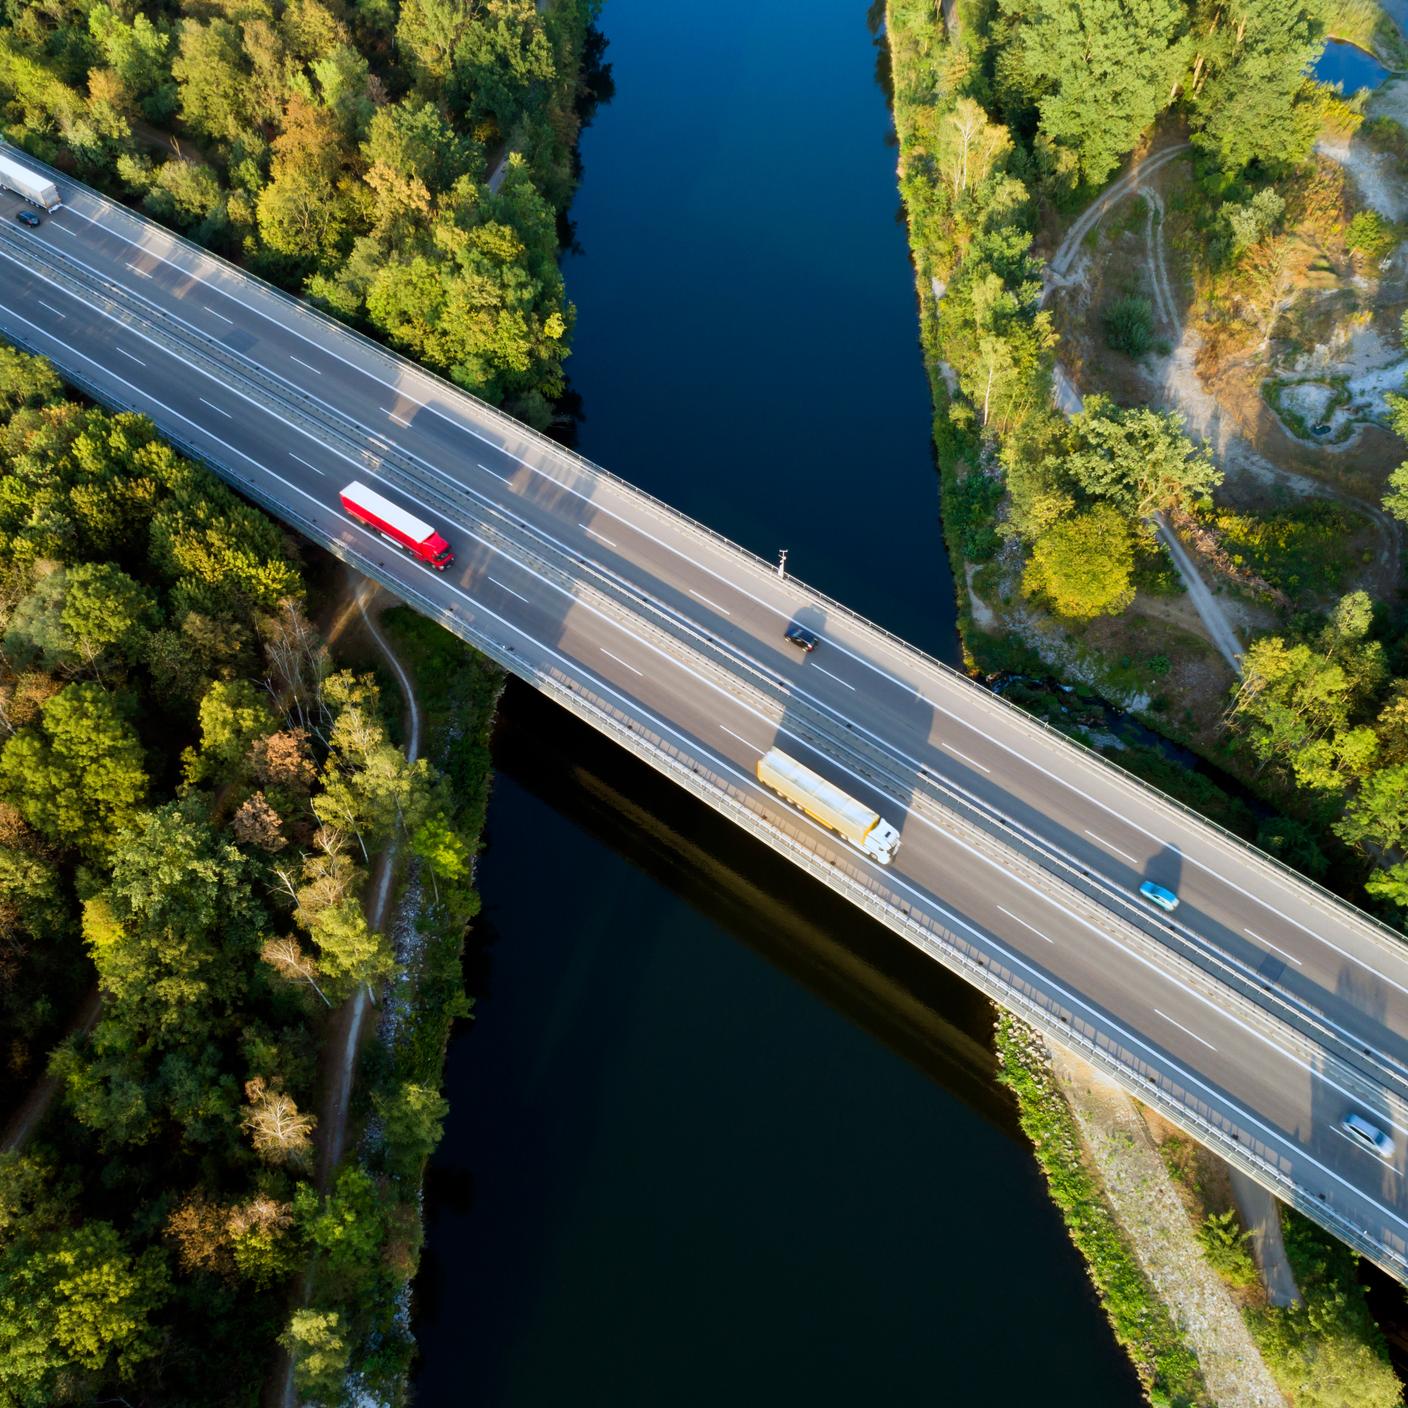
x: 661, y: 1162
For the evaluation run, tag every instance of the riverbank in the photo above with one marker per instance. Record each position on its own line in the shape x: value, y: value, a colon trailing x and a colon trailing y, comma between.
x: 929, y: 56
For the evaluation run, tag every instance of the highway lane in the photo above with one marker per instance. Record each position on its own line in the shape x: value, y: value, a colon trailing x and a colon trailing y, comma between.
x: 1182, y: 1029
x: 1355, y: 985
x: 1358, y: 985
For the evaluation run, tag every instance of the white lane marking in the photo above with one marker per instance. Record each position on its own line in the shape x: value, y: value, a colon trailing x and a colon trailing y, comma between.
x: 620, y: 661
x: 51, y: 308
x: 214, y: 407
x: 214, y: 314
x: 595, y: 534
x: 837, y: 678
x: 124, y: 352
x: 665, y: 656
x: 746, y: 742
x: 1184, y: 1029
x: 306, y: 365
x: 1244, y: 1115
x: 1025, y: 925
x: 143, y: 272
x: 712, y: 605
x: 400, y: 420
x: 1270, y: 945
x: 305, y: 463
x: 972, y: 762
x: 464, y: 427
x: 205, y: 262
x: 502, y: 478
x: 505, y: 586
x: 64, y: 229
x: 1110, y: 846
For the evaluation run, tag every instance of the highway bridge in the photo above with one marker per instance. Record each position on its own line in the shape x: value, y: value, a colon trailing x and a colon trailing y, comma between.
x: 1255, y: 1017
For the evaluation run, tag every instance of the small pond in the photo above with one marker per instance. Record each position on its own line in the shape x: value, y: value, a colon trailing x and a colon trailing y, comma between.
x: 1350, y: 67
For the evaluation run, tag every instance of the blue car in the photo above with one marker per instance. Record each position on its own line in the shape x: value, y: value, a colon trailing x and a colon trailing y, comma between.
x: 1156, y: 894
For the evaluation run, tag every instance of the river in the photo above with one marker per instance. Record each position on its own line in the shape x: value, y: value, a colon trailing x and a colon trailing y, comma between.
x: 714, y: 1136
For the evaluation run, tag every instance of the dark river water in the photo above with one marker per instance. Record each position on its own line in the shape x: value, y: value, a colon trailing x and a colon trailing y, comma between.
x: 716, y: 1138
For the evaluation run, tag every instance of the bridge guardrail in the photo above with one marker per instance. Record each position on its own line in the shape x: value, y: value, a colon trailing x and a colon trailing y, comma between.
x: 1376, y: 929
x: 935, y: 939
x: 329, y: 425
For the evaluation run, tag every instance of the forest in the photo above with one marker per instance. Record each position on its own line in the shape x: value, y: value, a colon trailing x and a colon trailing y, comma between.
x: 1010, y: 122
x: 193, y: 788
x: 404, y: 165
x: 190, y: 795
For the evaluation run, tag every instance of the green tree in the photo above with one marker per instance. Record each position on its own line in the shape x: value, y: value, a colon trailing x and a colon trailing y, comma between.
x: 177, y: 931
x: 346, y: 1227
x: 83, y: 618
x: 1138, y: 459
x: 1097, y: 71
x: 413, y: 1118
x: 26, y: 381
x: 139, y: 54
x: 234, y: 715
x: 1084, y: 565
x: 350, y: 953
x: 75, y: 1299
x: 318, y: 1343
x: 1377, y: 817
x: 1249, y: 95
x: 79, y: 777
x: 441, y: 849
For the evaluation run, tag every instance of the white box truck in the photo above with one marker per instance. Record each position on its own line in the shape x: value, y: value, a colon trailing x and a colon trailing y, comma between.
x: 865, y: 829
x: 37, y: 189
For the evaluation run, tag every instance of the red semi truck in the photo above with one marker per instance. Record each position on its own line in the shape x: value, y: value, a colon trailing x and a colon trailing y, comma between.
x: 396, y: 525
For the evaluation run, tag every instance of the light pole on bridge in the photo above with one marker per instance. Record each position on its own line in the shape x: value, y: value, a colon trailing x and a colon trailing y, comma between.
x: 782, y: 562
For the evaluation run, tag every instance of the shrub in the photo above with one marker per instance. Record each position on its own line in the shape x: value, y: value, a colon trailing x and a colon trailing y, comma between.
x: 1371, y: 235
x: 1129, y: 325
x: 1225, y: 1246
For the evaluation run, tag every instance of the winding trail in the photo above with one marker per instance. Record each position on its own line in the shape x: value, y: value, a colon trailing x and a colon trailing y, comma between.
x: 348, y: 1023
x: 31, y: 1111
x: 1184, y: 392
x: 1068, y: 398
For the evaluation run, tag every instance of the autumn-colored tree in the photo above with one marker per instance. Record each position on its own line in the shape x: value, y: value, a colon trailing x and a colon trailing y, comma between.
x: 256, y: 823
x: 278, y: 1130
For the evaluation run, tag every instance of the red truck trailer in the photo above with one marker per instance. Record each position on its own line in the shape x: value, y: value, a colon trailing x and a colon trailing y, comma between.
x: 396, y: 525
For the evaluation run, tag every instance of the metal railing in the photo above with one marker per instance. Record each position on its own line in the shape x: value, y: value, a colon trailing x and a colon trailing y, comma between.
x: 949, y: 801
x: 1018, y: 994
x: 479, y: 410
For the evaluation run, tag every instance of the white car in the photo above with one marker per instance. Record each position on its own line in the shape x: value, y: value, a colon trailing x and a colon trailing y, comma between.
x: 1367, y: 1134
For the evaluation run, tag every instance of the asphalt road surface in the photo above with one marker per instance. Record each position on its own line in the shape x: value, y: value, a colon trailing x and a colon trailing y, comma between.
x: 1257, y: 1016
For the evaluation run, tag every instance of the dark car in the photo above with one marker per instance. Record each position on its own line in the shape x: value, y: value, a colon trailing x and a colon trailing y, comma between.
x: 802, y: 638
x: 28, y: 217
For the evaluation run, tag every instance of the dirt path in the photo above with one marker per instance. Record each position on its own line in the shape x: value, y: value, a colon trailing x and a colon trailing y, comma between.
x: 1224, y: 636
x: 347, y: 1026
x: 1137, y: 1182
x: 1069, y: 400
x: 1184, y: 392
x: 36, y: 1104
x: 350, y: 1020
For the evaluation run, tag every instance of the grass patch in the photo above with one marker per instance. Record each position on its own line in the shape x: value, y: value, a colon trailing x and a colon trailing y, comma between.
x: 1303, y: 550
x: 1166, y: 1366
x: 1327, y: 1353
